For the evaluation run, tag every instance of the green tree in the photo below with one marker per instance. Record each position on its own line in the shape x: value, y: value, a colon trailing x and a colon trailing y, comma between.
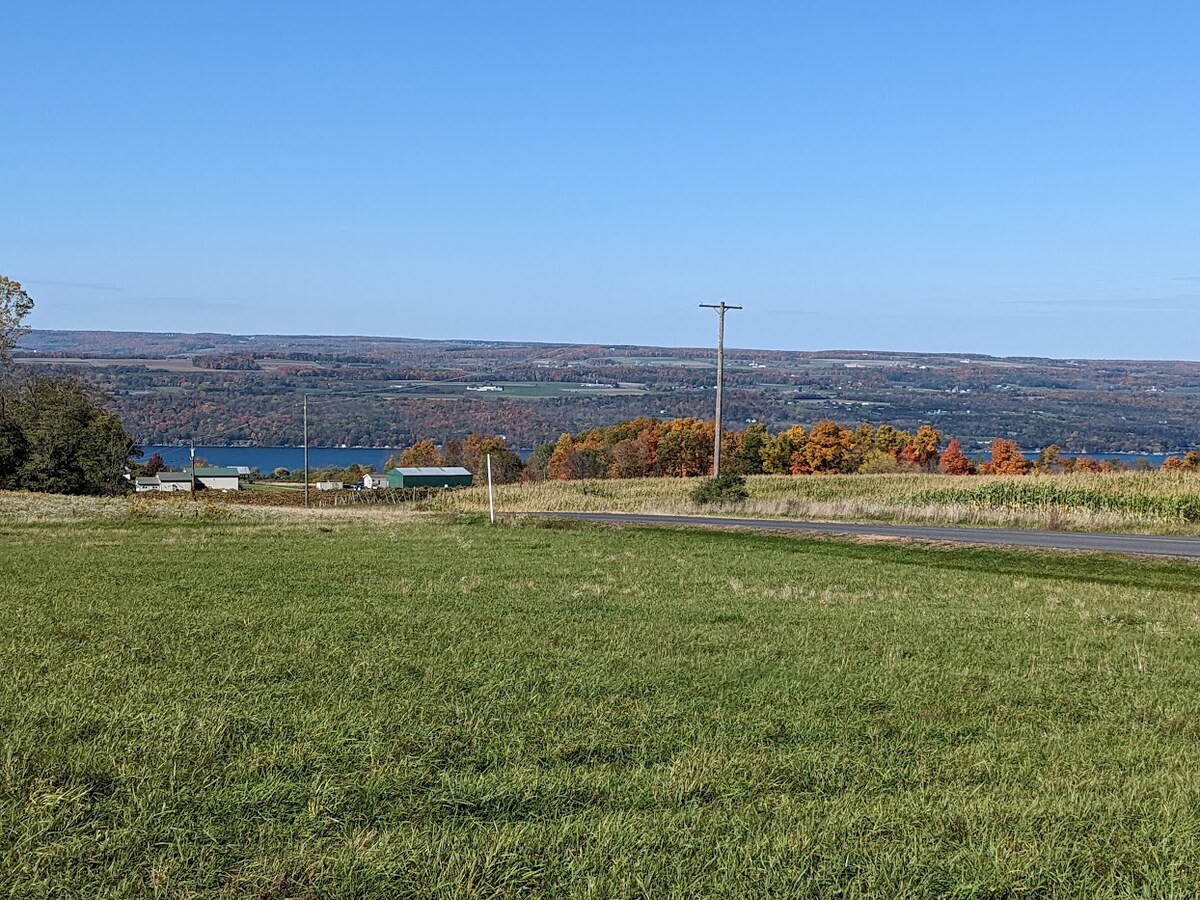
x: 14, y: 449
x: 506, y: 465
x: 73, y: 445
x: 15, y: 305
x: 539, y: 459
x: 778, y: 451
x: 749, y: 453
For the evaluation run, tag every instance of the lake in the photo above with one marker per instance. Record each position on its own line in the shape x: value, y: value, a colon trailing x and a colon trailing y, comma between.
x: 268, y: 459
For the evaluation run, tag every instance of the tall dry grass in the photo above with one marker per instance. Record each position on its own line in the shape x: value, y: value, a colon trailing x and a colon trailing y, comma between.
x: 1163, y: 502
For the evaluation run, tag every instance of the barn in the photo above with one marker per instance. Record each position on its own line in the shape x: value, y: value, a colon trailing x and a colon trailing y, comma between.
x: 218, y: 478
x: 429, y: 476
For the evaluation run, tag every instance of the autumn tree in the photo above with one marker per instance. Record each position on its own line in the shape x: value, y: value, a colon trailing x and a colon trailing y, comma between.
x: 830, y: 449
x: 452, y: 453
x: 422, y: 453
x: 890, y: 440
x: 574, y: 459
x: 778, y: 451
x: 153, y: 465
x: 922, y: 450
x: 506, y: 465
x: 1174, y: 464
x: 876, y: 462
x: 1049, y: 460
x: 1007, y: 458
x: 629, y: 458
x: 954, y: 462
x: 685, y: 447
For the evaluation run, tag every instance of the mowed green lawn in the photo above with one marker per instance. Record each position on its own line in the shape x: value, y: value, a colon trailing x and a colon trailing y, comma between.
x: 374, y: 708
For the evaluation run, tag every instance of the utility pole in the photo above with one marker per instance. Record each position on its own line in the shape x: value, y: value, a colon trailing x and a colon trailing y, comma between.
x: 193, y: 468
x: 721, y: 309
x: 306, y: 451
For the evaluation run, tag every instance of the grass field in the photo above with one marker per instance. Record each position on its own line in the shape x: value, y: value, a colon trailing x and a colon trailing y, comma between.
x: 259, y: 703
x: 1155, y: 502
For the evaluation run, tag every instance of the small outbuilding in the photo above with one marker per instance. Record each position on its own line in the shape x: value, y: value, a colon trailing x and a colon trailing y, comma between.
x: 429, y: 476
x: 218, y: 478
x: 173, y: 481
x: 374, y: 480
x: 330, y: 486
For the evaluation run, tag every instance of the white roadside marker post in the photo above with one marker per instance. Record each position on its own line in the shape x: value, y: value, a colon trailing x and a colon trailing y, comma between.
x: 491, y: 501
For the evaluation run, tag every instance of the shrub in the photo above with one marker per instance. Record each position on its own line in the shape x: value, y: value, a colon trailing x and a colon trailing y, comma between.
x: 725, y: 488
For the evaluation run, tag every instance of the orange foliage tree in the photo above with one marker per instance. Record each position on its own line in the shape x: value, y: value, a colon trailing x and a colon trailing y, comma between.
x: 830, y: 449
x: 1007, y: 458
x: 422, y: 453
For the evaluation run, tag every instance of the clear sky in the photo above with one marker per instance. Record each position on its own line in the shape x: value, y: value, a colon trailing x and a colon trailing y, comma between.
x: 1013, y: 178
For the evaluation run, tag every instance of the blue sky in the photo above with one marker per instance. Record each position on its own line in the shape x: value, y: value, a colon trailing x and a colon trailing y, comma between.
x: 1016, y: 178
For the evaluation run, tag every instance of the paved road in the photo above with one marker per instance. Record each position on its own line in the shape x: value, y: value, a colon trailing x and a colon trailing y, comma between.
x: 1147, y: 544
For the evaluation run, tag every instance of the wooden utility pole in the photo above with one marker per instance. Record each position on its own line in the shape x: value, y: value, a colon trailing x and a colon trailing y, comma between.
x: 193, y: 468
x: 721, y: 309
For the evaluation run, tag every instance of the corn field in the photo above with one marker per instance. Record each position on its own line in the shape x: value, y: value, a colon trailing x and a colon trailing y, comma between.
x: 1155, y: 501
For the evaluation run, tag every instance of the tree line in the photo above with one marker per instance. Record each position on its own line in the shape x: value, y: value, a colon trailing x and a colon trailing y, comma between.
x: 55, y: 435
x: 683, y: 447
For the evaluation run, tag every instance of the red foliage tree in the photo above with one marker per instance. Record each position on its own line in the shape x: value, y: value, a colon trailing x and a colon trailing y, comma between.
x: 953, y: 462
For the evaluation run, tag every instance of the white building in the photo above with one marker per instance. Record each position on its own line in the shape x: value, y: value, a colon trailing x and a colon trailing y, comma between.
x: 375, y: 480
x: 218, y: 478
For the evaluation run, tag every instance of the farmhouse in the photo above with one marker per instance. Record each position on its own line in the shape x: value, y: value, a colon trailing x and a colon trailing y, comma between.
x: 429, y: 476
x: 375, y: 480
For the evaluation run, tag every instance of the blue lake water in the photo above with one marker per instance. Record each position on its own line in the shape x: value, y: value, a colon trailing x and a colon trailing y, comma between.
x: 268, y: 459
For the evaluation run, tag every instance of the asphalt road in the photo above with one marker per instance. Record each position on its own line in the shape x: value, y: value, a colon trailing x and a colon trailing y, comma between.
x: 1145, y: 544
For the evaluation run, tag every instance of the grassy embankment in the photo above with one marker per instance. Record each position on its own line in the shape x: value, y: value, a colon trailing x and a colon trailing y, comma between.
x: 266, y: 704
x: 1153, y: 502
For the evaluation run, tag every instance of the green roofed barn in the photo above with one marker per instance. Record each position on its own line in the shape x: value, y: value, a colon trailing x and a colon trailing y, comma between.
x: 429, y: 476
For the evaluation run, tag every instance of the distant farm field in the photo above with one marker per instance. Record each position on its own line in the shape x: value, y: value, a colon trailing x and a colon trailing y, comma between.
x: 260, y: 703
